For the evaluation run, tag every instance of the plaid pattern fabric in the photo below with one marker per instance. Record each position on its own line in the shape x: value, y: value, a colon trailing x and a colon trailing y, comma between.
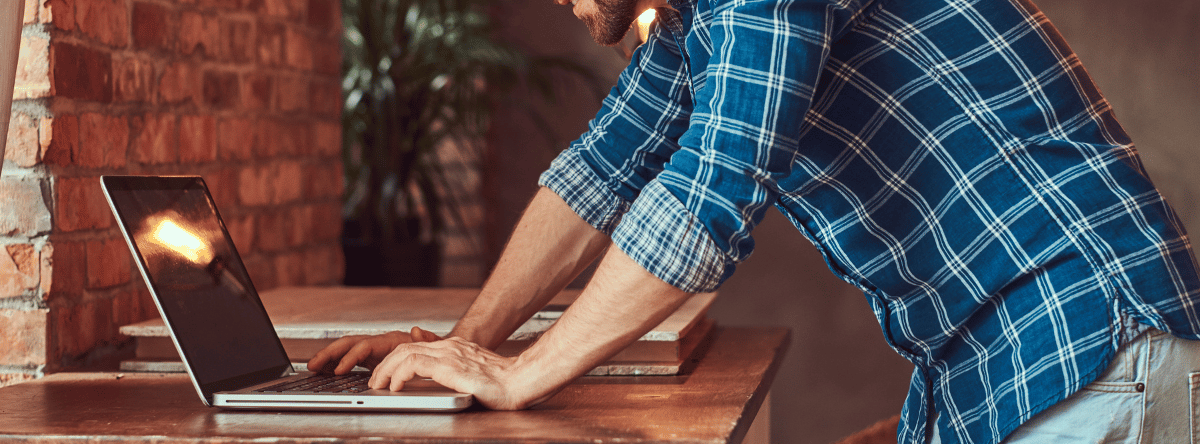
x: 951, y: 158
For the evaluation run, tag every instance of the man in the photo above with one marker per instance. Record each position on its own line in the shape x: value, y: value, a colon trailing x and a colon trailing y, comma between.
x: 951, y: 158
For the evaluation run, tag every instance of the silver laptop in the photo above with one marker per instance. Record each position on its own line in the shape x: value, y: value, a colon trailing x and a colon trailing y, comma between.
x: 214, y: 314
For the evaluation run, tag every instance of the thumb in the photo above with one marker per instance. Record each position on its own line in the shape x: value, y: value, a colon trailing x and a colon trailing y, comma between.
x: 420, y: 335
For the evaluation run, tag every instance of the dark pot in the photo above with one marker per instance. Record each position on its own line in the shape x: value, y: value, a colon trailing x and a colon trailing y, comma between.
x: 403, y: 264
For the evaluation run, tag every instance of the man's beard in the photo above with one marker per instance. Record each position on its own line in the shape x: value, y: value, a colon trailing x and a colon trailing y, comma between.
x: 614, y: 19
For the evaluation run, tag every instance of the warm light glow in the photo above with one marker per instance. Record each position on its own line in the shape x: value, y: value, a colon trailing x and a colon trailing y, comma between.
x: 643, y: 24
x: 169, y: 234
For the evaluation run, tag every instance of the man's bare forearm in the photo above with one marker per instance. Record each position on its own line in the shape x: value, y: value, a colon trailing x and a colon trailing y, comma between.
x: 548, y: 248
x: 620, y: 304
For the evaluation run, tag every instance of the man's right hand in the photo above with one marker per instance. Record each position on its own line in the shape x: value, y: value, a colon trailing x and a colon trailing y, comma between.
x: 368, y: 351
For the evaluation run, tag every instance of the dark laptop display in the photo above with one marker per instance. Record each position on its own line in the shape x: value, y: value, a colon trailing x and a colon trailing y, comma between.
x: 214, y: 314
x: 199, y: 279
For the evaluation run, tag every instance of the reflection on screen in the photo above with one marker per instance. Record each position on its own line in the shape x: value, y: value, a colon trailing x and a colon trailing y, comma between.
x: 199, y: 280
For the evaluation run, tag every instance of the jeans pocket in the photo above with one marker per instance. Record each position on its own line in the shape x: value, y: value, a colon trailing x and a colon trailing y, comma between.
x: 1109, y: 413
x: 1194, y: 397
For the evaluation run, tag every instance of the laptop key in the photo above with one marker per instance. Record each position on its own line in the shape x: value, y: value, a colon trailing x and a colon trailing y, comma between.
x: 351, y: 383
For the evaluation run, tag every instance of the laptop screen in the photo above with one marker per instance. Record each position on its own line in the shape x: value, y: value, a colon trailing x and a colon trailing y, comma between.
x: 198, y: 278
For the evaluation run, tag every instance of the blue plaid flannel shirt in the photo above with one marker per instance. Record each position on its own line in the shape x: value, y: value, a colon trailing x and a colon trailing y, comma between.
x: 951, y: 158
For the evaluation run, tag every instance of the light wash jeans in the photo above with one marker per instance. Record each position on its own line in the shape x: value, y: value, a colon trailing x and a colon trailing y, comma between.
x: 1149, y: 394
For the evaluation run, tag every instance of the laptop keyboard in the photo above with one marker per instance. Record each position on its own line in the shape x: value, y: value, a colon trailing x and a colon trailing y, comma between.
x: 323, y: 383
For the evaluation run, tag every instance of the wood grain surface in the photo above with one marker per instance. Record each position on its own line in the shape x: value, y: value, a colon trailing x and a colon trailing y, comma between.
x: 713, y: 401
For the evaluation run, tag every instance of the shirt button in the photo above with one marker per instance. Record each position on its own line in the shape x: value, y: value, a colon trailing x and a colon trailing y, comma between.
x: 1140, y: 387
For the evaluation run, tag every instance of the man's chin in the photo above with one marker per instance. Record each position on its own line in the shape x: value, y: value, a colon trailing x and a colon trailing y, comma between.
x: 607, y: 37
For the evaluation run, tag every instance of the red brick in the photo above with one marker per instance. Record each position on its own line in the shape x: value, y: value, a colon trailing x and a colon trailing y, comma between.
x: 289, y: 269
x: 323, y: 266
x: 23, y: 337
x: 236, y: 41
x: 292, y: 93
x: 45, y: 135
x: 289, y: 182
x: 299, y: 53
x: 300, y: 225
x: 79, y: 205
x: 153, y: 26
x: 327, y: 222
x: 105, y: 20
x: 20, y: 269
x: 197, y: 138
x: 235, y: 139
x: 221, y: 4
x: 180, y: 83
x: 68, y: 269
x: 262, y: 272
x: 145, y: 304
x: 258, y: 90
x: 80, y: 73
x: 124, y: 308
x: 325, y: 97
x: 23, y: 147
x: 78, y: 328
x: 256, y: 186
x: 283, y: 138
x: 134, y: 79
x: 157, y: 138
x: 271, y: 138
x: 325, y: 16
x: 223, y: 185
x: 323, y: 181
x: 241, y: 230
x: 107, y: 141
x: 270, y: 44
x: 221, y: 89
x: 198, y: 34
x: 62, y: 141
x: 327, y: 138
x: 299, y: 137
x: 327, y: 57
x: 278, y: 8
x: 108, y: 263
x: 61, y: 13
x: 25, y: 212
x: 47, y: 269
x: 33, y: 69
x: 271, y: 233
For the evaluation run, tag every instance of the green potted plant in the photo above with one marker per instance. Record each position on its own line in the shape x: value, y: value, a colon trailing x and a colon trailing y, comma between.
x: 417, y: 75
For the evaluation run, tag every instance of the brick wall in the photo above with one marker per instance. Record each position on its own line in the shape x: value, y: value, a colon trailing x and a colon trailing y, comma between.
x: 243, y: 92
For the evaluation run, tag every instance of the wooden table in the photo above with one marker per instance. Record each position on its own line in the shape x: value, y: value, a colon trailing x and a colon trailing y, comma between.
x: 715, y: 401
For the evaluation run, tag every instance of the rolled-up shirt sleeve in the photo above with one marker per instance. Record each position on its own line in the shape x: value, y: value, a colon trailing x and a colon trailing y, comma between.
x: 689, y: 222
x: 632, y: 136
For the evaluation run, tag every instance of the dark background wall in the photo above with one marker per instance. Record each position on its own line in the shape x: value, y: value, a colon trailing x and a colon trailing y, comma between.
x: 839, y: 376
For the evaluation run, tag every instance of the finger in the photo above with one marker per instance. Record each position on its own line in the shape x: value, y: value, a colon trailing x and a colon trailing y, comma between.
x: 357, y: 354
x: 383, y: 373
x: 411, y: 367
x: 328, y: 355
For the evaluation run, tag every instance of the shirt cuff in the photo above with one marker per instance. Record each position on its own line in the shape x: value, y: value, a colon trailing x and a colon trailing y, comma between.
x: 662, y: 236
x: 573, y: 180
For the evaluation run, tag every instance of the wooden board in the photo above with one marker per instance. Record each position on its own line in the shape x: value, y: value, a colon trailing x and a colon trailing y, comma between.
x: 305, y: 322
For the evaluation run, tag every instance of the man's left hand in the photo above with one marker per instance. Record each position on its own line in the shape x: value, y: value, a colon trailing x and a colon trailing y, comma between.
x: 458, y: 364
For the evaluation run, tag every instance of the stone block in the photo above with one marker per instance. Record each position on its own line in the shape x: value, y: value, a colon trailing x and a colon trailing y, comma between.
x: 26, y: 212
x: 23, y: 337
